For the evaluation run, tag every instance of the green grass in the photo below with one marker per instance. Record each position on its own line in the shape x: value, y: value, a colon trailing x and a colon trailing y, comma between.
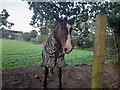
x: 79, y: 57
x: 22, y: 54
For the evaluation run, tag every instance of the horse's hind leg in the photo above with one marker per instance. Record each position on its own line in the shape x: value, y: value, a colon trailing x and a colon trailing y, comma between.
x: 45, y: 77
x: 60, y: 76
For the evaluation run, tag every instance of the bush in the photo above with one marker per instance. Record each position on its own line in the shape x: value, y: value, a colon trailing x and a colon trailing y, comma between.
x: 75, y: 42
x: 41, y: 38
x: 83, y: 42
x: 32, y: 39
x: 26, y: 36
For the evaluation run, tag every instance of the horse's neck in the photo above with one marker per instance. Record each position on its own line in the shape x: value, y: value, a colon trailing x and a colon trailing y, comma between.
x: 52, y: 38
x: 52, y: 46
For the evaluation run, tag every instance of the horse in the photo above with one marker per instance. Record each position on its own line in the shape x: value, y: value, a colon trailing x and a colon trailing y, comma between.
x: 56, y: 46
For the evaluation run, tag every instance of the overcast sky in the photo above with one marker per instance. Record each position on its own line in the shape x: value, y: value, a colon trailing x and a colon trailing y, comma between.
x: 20, y: 14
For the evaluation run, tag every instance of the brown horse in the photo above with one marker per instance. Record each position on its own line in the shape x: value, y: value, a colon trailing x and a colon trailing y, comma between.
x: 57, y: 45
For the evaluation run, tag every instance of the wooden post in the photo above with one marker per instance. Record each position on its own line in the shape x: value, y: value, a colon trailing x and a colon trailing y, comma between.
x: 99, y: 51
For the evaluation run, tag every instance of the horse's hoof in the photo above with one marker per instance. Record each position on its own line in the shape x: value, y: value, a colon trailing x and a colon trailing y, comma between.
x: 44, y: 88
x: 60, y: 88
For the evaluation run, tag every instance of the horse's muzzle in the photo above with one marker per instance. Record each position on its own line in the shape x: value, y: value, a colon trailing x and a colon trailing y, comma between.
x: 67, y: 51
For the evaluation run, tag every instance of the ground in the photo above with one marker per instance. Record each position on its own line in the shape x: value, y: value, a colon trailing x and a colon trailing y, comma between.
x: 73, y: 77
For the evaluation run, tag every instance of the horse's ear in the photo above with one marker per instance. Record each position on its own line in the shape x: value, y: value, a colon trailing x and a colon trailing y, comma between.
x: 71, y: 21
x: 58, y: 19
x: 65, y: 18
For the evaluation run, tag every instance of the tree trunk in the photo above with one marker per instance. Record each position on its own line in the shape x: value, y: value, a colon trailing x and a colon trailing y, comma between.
x: 99, y: 51
x: 117, y: 45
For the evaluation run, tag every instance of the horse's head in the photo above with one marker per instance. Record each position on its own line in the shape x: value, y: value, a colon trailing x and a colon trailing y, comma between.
x: 64, y: 29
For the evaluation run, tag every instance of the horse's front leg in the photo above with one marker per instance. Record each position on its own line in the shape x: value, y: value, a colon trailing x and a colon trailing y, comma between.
x: 60, y: 76
x: 52, y: 71
x: 45, y: 77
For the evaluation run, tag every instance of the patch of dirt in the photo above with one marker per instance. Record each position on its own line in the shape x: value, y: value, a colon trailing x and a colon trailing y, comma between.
x: 72, y: 77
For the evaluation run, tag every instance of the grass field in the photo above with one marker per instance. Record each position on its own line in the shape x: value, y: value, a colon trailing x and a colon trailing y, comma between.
x: 22, y: 54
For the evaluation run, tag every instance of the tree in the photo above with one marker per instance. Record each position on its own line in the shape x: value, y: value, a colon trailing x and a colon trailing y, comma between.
x: 4, y: 33
x: 45, y: 14
x: 80, y: 12
x: 34, y: 33
x: 30, y: 36
x: 26, y: 36
x: 3, y: 22
x: 3, y: 19
x: 112, y: 9
x: 114, y: 23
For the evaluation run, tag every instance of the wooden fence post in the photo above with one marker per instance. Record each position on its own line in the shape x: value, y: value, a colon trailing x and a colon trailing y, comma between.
x: 99, y: 51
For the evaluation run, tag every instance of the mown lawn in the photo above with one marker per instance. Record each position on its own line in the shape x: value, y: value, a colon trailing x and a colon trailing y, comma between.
x: 22, y: 54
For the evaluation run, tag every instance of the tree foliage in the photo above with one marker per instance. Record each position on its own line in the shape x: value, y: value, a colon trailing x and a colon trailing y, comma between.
x: 4, y: 33
x: 3, y: 19
x: 81, y: 12
x: 44, y: 11
x: 26, y: 36
x: 34, y: 33
x: 30, y: 36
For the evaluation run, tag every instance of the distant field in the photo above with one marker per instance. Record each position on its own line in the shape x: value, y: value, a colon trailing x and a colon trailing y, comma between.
x: 22, y: 54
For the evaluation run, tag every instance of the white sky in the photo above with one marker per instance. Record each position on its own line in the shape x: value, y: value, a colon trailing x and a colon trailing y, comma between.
x: 20, y: 14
